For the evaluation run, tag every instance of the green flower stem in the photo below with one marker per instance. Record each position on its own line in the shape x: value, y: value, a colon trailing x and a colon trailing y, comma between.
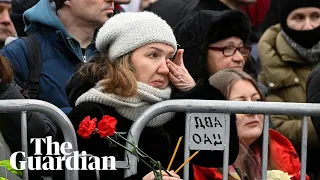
x: 145, y: 154
x: 108, y: 137
x: 146, y: 164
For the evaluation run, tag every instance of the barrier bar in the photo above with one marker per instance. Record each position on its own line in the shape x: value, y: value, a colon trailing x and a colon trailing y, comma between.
x: 24, y: 142
x: 265, y: 148
x: 186, y: 148
x: 304, y: 146
x: 53, y: 113
x: 213, y: 106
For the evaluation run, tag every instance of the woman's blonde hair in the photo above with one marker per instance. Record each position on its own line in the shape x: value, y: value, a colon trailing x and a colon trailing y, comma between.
x: 223, y: 81
x: 118, y: 75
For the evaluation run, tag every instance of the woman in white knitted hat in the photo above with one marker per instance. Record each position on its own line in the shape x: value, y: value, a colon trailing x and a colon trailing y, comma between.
x: 131, y: 75
x: 134, y: 72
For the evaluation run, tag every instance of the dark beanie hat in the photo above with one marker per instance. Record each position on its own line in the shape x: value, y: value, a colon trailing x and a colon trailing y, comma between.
x: 285, y: 8
x: 207, y: 27
x: 213, y: 26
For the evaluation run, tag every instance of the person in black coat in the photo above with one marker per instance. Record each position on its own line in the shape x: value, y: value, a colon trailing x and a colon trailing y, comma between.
x: 38, y: 125
x: 132, y: 74
x: 213, y: 41
x: 313, y: 94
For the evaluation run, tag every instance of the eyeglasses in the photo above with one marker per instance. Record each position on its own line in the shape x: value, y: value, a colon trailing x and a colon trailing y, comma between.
x: 231, y: 50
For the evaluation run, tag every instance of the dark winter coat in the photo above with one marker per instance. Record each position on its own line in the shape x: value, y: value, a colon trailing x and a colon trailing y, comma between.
x: 10, y: 125
x: 158, y: 142
x: 153, y: 141
x: 285, y: 74
x: 313, y: 94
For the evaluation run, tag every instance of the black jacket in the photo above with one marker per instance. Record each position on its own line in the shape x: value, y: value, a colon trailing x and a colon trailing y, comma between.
x: 10, y: 126
x: 153, y: 141
x: 164, y: 146
x: 313, y: 94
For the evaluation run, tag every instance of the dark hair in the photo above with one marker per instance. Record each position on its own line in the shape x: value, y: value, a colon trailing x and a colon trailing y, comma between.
x: 59, y: 3
x: 6, y: 73
x: 118, y: 75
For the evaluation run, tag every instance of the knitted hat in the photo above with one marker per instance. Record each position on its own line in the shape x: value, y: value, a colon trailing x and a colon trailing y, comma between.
x: 304, y: 38
x: 7, y: 1
x: 128, y: 31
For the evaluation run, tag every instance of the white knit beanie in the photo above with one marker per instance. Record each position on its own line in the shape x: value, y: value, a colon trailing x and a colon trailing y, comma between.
x: 128, y: 31
x: 7, y: 1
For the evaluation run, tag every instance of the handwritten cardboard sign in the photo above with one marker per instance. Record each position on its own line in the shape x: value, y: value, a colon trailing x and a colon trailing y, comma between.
x: 207, y: 130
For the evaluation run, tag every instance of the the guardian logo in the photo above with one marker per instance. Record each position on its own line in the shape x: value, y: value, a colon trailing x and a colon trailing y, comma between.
x: 53, y: 160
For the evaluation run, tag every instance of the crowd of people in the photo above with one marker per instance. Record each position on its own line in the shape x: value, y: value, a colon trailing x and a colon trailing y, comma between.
x: 117, y: 58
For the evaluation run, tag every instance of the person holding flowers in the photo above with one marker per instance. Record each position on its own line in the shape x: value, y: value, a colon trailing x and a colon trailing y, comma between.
x: 135, y: 70
x: 283, y: 160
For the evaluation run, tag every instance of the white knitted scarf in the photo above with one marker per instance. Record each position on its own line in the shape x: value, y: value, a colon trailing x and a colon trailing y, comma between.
x: 131, y: 107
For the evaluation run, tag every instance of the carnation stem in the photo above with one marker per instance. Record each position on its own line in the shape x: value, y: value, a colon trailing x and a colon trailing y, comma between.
x: 131, y: 152
x: 145, y: 154
x: 146, y: 163
x: 108, y: 137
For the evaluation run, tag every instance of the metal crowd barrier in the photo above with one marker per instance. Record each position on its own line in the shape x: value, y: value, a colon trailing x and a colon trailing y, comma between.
x: 228, y: 107
x: 53, y: 113
x: 188, y: 106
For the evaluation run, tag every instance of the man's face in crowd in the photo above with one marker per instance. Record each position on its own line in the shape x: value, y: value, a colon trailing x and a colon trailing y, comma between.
x: 304, y: 19
x: 94, y: 12
x: 6, y: 26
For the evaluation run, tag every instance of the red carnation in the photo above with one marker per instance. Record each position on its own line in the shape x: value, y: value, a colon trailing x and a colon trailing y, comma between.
x: 87, y: 127
x: 107, y: 126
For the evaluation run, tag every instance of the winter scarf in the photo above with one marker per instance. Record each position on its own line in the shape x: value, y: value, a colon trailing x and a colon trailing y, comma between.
x: 131, y: 107
x: 311, y: 55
